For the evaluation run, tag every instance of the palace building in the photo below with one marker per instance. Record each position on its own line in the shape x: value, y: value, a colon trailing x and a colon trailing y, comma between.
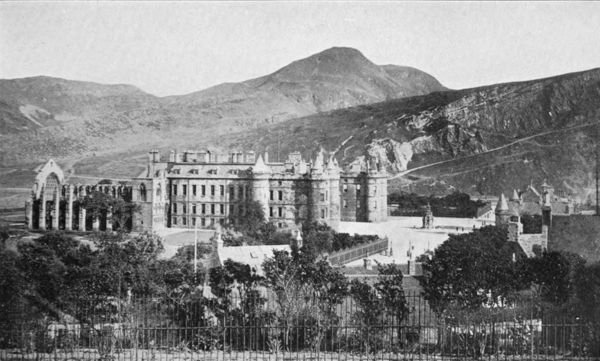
x: 203, y: 188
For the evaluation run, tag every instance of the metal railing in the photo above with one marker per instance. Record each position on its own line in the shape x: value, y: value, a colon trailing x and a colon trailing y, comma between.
x: 275, y: 328
x: 358, y: 252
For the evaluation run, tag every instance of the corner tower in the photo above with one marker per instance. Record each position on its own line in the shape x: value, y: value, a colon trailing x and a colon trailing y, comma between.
x: 502, y: 211
x: 260, y: 184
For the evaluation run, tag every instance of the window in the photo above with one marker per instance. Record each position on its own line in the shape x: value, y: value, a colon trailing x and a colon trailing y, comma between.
x: 322, y: 213
x: 279, y: 212
x: 212, y: 209
x: 203, y: 208
x: 231, y: 192
x: 241, y: 192
x: 222, y: 190
x: 345, y: 187
x: 279, y: 182
x: 202, y: 222
x: 231, y: 209
x: 184, y: 191
x: 174, y: 189
x: 193, y: 221
x: 221, y: 208
x: 322, y: 197
x: 270, y: 211
x: 194, y: 189
x: 194, y: 209
x: 174, y: 220
x: 270, y: 195
x: 203, y: 189
x: 326, y: 195
x: 184, y: 209
x: 212, y: 190
x: 280, y: 195
x: 142, y: 192
x: 212, y: 221
x: 174, y: 207
x: 184, y: 221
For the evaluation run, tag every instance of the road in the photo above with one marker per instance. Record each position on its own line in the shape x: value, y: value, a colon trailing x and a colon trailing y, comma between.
x: 398, y: 175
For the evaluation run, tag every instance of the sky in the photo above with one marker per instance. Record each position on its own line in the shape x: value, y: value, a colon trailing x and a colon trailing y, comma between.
x: 170, y: 48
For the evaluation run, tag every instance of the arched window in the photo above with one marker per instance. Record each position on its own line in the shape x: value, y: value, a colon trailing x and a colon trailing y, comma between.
x: 142, y: 192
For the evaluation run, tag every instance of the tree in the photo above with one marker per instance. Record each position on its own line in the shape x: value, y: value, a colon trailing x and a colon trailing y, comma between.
x: 380, y: 307
x: 553, y: 274
x: 469, y: 270
x: 99, y: 203
x: 307, y: 291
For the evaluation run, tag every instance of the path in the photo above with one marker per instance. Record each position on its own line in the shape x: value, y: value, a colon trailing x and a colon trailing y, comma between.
x: 400, y: 174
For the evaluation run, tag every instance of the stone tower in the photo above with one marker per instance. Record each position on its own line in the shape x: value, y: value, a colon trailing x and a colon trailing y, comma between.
x: 260, y: 184
x: 376, y: 196
x: 502, y: 211
x: 319, y: 196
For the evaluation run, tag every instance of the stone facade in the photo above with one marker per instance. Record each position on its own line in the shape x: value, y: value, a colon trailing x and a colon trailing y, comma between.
x: 55, y: 204
x: 202, y: 189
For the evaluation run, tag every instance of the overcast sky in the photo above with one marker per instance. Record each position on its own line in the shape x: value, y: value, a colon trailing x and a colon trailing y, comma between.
x: 168, y: 48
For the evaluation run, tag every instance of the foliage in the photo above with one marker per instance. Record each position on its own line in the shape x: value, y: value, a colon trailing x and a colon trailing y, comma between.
x: 98, y: 203
x: 453, y: 205
x: 553, y: 274
x: 252, y: 229
x: 380, y: 307
x: 469, y: 270
x: 307, y: 291
x: 587, y: 298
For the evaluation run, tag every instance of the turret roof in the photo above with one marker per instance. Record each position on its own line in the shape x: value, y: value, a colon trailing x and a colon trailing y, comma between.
x: 260, y: 166
x: 502, y: 206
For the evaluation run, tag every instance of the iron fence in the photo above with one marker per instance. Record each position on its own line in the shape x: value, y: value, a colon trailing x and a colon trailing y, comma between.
x: 273, y: 327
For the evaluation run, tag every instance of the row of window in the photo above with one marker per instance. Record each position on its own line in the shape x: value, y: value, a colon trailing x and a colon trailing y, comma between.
x: 212, y: 208
x: 206, y: 222
x: 242, y: 191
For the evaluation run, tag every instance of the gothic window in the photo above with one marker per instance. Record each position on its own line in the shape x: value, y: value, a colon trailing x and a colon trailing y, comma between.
x: 142, y: 192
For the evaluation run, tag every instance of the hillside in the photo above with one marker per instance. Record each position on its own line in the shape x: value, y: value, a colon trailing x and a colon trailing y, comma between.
x: 482, y: 140
x: 44, y: 117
